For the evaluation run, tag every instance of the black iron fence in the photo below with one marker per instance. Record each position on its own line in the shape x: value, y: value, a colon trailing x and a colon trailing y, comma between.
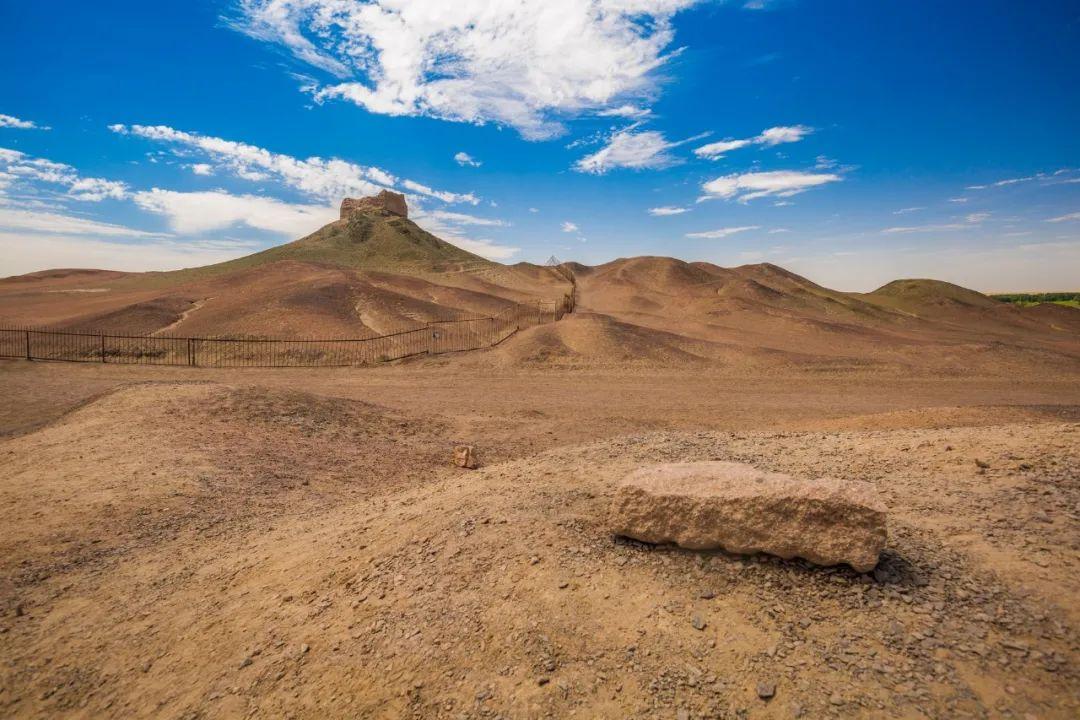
x: 430, y: 338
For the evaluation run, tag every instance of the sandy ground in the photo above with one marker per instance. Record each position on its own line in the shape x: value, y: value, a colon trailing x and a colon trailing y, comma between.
x: 188, y: 543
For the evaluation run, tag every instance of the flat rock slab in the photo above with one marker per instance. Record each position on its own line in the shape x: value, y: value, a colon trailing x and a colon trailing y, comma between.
x: 740, y: 509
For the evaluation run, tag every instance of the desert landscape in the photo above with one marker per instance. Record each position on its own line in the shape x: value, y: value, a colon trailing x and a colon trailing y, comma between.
x: 193, y: 542
x: 539, y: 360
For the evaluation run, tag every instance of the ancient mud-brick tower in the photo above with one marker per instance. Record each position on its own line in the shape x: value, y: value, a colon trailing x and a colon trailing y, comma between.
x: 385, y: 201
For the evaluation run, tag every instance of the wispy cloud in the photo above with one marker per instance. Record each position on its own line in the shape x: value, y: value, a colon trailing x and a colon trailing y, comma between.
x: 968, y: 222
x: 569, y: 227
x: 199, y: 212
x: 905, y: 211
x: 634, y: 149
x: 625, y: 111
x: 466, y: 160
x: 1007, y: 181
x: 667, y: 210
x: 722, y: 232
x: 772, y: 136
x: 10, y: 121
x: 329, y: 180
x: 17, y: 167
x: 464, y: 219
x: 18, y: 255
x: 485, y: 248
x: 16, y: 219
x: 526, y: 65
x: 778, y: 183
x: 1064, y: 218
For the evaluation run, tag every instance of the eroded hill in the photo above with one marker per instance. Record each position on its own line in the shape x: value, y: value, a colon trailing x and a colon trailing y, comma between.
x: 374, y: 271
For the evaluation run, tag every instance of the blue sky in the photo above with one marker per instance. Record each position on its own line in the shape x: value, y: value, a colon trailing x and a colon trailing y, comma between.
x: 852, y: 142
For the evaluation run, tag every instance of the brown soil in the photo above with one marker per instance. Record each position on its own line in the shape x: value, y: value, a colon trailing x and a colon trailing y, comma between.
x: 190, y: 543
x: 197, y: 543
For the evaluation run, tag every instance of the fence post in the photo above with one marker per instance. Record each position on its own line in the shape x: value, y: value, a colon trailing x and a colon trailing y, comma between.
x: 191, y: 351
x: 102, y: 347
x: 28, y: 355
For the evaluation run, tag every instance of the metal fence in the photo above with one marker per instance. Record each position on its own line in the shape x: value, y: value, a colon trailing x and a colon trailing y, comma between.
x: 430, y: 338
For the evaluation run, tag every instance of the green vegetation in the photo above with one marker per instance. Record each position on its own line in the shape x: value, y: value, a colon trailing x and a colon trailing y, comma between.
x: 1069, y: 299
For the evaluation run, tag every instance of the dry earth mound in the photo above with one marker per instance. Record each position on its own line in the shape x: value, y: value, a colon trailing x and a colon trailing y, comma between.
x: 191, y: 550
x: 373, y: 271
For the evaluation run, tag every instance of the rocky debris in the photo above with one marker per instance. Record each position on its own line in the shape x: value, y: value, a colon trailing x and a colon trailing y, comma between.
x: 465, y: 456
x: 766, y: 690
x: 385, y: 201
x: 740, y: 509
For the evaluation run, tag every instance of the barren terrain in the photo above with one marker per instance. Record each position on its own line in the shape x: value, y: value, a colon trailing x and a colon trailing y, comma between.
x: 210, y: 543
x: 200, y: 543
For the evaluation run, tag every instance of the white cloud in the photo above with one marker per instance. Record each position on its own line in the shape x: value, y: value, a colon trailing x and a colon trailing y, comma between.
x: 928, y: 228
x: 569, y: 227
x: 465, y: 159
x: 15, y: 219
x: 625, y: 111
x: 21, y: 254
x: 905, y: 211
x: 534, y: 210
x: 769, y: 137
x: 202, y: 168
x: 1065, y: 218
x: 969, y: 221
x: 523, y: 64
x: 328, y: 180
x: 783, y: 134
x: 16, y: 167
x: 667, y: 210
x: 722, y: 232
x: 1008, y: 181
x: 461, y: 218
x: 484, y: 248
x: 717, y: 150
x: 448, y: 226
x: 10, y: 121
x: 198, y: 212
x: 778, y: 183
x: 97, y: 189
x: 628, y: 148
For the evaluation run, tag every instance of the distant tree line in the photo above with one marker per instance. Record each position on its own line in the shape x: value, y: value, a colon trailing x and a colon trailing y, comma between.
x: 1065, y: 298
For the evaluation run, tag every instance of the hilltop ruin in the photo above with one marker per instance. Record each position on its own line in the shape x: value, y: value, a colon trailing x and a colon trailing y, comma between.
x: 385, y: 201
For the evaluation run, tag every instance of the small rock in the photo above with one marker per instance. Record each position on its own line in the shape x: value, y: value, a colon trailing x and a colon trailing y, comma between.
x: 836, y: 699
x: 981, y: 464
x: 698, y: 622
x: 465, y: 456
x: 245, y: 662
x: 543, y: 681
x: 707, y: 594
x: 305, y: 649
x: 766, y: 690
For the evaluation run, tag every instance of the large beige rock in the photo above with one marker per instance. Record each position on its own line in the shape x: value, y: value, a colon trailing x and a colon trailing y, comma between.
x: 740, y: 509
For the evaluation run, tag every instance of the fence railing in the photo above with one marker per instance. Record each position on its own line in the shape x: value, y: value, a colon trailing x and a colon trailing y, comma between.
x: 431, y: 338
